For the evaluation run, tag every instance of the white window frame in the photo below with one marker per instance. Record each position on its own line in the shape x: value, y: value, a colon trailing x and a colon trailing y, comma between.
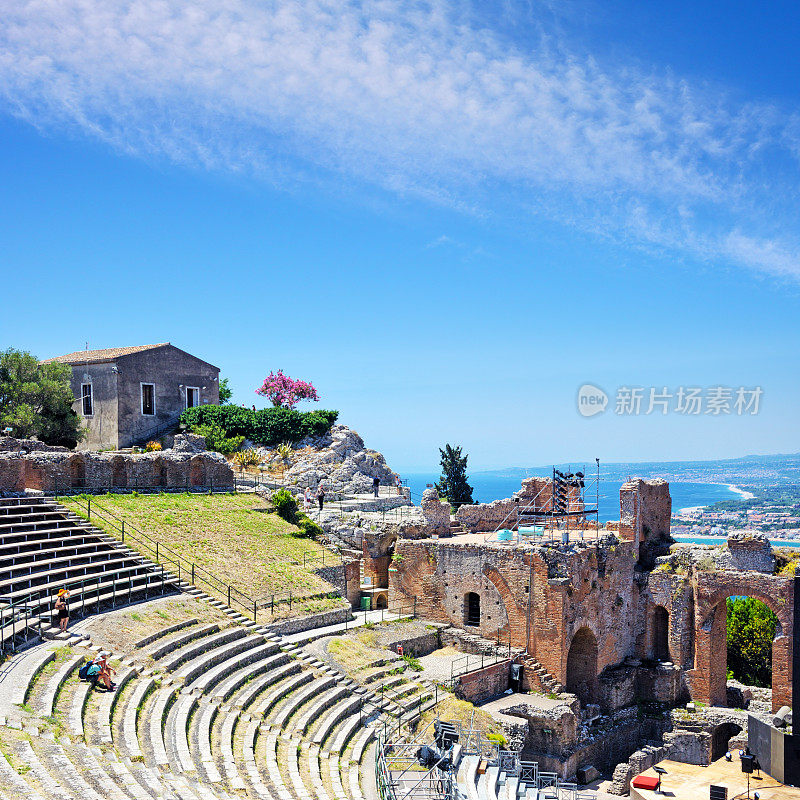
x: 186, y: 390
x: 142, y: 384
x: 91, y: 399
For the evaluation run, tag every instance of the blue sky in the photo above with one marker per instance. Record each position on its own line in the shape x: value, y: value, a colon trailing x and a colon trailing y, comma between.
x: 447, y: 218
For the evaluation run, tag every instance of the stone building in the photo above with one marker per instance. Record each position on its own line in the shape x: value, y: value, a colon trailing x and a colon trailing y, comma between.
x: 127, y: 395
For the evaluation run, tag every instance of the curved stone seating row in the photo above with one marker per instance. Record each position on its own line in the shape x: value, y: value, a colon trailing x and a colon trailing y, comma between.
x: 202, y: 712
x: 44, y: 547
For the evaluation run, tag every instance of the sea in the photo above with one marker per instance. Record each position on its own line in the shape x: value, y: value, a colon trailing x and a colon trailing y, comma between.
x: 492, y: 486
x: 499, y: 484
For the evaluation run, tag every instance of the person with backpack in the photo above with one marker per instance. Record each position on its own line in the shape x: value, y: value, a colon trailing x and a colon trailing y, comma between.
x: 376, y: 485
x: 320, y: 497
x: 98, y: 670
x: 62, y: 609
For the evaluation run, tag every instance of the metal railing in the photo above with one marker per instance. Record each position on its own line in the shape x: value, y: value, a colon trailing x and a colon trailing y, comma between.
x: 156, y: 430
x: 20, y: 617
x: 186, y: 570
x: 471, y: 662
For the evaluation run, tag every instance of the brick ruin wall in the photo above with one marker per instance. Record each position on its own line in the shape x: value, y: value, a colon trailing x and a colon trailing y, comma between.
x: 62, y: 471
x: 614, y: 620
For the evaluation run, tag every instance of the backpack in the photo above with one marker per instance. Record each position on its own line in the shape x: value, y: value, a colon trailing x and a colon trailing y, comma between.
x: 83, y: 672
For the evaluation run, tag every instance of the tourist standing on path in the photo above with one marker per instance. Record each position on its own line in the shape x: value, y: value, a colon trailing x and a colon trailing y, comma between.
x: 376, y: 483
x: 307, y: 498
x: 399, y: 484
x: 62, y: 608
x: 320, y: 496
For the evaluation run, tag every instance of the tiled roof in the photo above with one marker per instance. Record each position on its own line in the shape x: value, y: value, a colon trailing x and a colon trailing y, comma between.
x: 109, y: 354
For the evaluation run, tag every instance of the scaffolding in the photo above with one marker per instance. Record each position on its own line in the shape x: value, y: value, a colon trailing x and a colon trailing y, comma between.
x: 426, y: 766
x: 566, y: 504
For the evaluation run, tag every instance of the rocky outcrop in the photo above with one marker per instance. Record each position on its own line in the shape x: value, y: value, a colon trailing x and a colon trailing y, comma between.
x: 339, y: 461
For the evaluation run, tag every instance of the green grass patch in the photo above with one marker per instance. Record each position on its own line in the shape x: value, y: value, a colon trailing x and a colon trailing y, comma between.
x: 236, y: 537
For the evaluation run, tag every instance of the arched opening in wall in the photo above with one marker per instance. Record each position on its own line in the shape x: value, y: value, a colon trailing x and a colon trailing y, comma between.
x: 472, y: 609
x: 77, y: 472
x: 159, y: 473
x: 34, y: 476
x: 381, y: 601
x: 721, y: 737
x: 750, y: 630
x: 582, y: 666
x: 197, y: 471
x: 119, y: 473
x: 660, y: 634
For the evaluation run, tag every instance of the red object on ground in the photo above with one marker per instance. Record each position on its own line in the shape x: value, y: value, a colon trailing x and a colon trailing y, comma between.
x: 644, y: 782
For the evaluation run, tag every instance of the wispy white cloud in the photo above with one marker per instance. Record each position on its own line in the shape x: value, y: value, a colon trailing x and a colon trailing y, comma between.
x: 415, y: 99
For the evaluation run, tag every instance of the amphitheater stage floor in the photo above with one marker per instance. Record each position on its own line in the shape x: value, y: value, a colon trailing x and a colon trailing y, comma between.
x: 688, y: 782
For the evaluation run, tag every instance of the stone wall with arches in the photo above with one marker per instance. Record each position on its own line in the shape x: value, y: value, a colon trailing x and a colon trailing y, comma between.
x: 655, y: 620
x: 62, y: 471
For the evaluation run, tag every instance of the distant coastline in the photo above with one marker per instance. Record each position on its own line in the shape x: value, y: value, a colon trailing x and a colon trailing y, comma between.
x: 743, y: 492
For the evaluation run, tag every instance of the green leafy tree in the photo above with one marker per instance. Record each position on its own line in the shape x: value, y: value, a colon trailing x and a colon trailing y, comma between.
x: 751, y: 629
x: 225, y: 392
x: 453, y: 483
x: 36, y: 399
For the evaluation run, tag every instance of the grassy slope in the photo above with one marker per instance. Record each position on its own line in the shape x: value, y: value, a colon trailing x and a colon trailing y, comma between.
x: 237, y: 537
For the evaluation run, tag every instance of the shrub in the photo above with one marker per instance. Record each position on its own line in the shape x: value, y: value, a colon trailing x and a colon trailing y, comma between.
x: 498, y: 739
x: 217, y: 438
x: 152, y: 447
x: 268, y: 426
x: 308, y: 527
x: 284, y: 451
x: 786, y: 559
x: 285, y: 505
x: 246, y: 458
x: 413, y: 663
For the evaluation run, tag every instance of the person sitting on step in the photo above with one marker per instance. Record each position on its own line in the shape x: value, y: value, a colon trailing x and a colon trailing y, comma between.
x: 100, y: 671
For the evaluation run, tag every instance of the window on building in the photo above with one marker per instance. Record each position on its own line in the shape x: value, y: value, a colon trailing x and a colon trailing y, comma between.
x: 87, y: 399
x: 192, y: 396
x: 148, y: 399
x: 472, y: 610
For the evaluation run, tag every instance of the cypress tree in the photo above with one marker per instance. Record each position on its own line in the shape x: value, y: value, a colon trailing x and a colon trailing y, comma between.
x: 453, y: 483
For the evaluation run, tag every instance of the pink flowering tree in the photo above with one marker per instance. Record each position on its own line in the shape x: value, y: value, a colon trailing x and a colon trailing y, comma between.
x: 281, y: 390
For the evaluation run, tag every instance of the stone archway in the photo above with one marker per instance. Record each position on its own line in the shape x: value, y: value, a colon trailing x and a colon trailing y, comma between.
x: 197, y: 471
x: 77, y: 472
x: 472, y: 609
x: 721, y: 736
x: 709, y: 681
x: 660, y: 634
x: 582, y: 666
x: 119, y: 472
x: 159, y: 473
